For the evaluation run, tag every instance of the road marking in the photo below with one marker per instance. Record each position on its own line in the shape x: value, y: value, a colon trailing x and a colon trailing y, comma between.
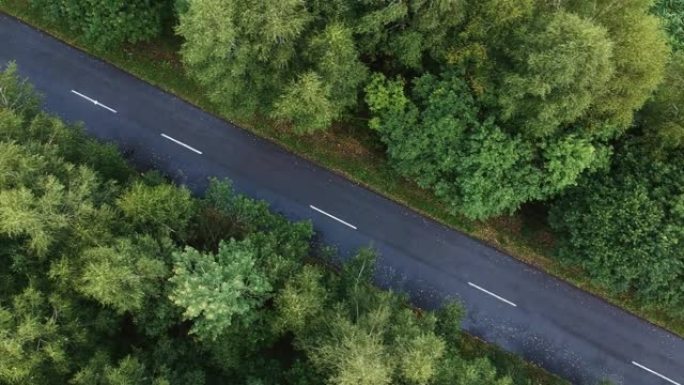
x: 182, y: 144
x: 95, y: 102
x: 502, y: 299
x: 333, y: 217
x: 656, y: 373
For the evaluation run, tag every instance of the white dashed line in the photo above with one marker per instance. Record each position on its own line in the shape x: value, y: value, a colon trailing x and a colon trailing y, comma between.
x: 95, y: 102
x: 333, y: 217
x: 502, y: 299
x: 638, y: 365
x: 182, y: 144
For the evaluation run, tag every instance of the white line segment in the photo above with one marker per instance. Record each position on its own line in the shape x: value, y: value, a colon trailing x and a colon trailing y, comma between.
x: 95, y: 102
x: 655, y: 373
x: 333, y: 217
x: 182, y: 144
x: 502, y: 299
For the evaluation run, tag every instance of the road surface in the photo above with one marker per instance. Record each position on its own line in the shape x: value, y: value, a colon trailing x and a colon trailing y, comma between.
x: 524, y: 310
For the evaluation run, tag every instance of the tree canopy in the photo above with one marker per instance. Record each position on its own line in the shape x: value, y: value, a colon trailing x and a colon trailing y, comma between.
x: 108, y: 23
x: 548, y: 86
x: 625, y: 225
x: 112, y: 277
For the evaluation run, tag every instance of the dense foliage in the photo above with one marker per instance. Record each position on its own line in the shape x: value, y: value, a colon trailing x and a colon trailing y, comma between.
x: 526, y: 102
x: 672, y: 13
x: 108, y: 23
x: 625, y: 225
x: 662, y: 118
x: 490, y: 103
x: 114, y: 278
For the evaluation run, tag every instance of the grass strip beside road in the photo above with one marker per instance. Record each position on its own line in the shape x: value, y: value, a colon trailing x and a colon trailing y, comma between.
x: 352, y: 151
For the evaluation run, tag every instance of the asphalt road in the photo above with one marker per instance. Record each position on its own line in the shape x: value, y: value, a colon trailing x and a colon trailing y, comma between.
x: 547, y: 321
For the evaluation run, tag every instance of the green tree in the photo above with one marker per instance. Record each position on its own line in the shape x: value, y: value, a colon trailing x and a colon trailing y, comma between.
x: 625, y: 225
x: 33, y: 349
x: 164, y: 207
x: 271, y: 58
x: 35, y: 218
x: 353, y: 333
x: 242, y: 51
x: 123, y: 275
x: 129, y: 370
x: 662, y: 118
x: 556, y: 73
x: 672, y: 13
x: 333, y: 55
x: 306, y: 104
x: 17, y: 94
x: 353, y: 355
x: 639, y: 54
x: 108, y: 23
x: 604, y: 60
x: 457, y: 371
x: 405, y: 35
x: 436, y: 137
x: 217, y: 290
x: 302, y: 299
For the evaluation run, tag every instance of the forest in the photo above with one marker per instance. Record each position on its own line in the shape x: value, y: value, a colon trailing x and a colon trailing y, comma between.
x: 573, y: 107
x: 112, y: 276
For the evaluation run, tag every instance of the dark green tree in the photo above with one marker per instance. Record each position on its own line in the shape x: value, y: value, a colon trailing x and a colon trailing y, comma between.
x: 662, y: 118
x: 436, y: 137
x: 672, y: 13
x: 625, y: 225
x: 108, y: 23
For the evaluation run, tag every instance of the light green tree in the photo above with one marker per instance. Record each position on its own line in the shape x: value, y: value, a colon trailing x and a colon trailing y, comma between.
x: 17, y: 94
x: 122, y: 275
x: 217, y: 290
x: 301, y: 300
x: 307, y: 104
x: 165, y: 208
x: 242, y: 51
x: 557, y: 71
x: 640, y: 54
x: 32, y: 346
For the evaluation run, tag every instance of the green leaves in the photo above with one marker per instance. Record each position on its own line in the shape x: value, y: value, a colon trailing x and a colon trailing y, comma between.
x: 243, y: 52
x: 31, y: 340
x: 662, y: 118
x: 269, y: 58
x: 17, y: 94
x: 556, y: 74
x: 108, y: 23
x: 215, y: 290
x: 163, y: 208
x: 124, y: 275
x: 625, y: 226
x: 306, y: 104
x: 438, y: 139
x: 672, y: 13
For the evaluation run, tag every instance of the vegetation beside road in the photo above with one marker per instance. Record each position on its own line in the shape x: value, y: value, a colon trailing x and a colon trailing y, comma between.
x: 115, y: 277
x: 505, y: 148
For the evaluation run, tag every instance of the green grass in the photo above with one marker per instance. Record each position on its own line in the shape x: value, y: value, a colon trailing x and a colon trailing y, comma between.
x: 352, y: 151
